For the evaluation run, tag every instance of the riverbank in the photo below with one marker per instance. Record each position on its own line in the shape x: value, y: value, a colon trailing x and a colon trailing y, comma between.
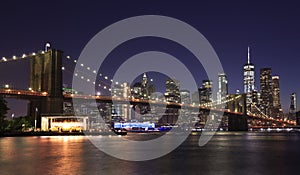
x: 42, y: 133
x: 111, y: 133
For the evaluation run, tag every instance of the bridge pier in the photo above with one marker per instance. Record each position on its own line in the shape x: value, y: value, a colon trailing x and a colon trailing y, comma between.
x: 298, y: 118
x: 238, y: 122
x: 46, y: 76
x: 42, y: 106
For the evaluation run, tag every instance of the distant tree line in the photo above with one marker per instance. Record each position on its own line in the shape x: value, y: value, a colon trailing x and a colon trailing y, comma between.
x: 17, y: 124
x: 3, y: 112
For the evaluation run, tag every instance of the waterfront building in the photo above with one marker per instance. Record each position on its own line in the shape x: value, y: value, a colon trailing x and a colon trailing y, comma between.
x: 64, y: 123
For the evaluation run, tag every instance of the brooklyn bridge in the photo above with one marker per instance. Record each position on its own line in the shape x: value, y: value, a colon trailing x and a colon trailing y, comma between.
x: 46, y: 96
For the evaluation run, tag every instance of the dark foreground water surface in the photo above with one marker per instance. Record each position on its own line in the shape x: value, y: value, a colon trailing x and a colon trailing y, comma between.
x: 226, y: 153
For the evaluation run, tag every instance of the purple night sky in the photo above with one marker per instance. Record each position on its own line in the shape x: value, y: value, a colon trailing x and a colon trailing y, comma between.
x: 271, y: 29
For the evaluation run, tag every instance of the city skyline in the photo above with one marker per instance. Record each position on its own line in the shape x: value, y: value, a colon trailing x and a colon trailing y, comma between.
x: 268, y: 43
x: 249, y: 85
x: 150, y: 87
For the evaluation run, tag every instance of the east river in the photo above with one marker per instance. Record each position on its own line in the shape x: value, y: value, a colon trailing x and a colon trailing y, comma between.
x: 227, y: 153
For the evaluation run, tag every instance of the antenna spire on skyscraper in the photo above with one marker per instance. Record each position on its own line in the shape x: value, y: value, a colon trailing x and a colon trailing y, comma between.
x: 248, y: 55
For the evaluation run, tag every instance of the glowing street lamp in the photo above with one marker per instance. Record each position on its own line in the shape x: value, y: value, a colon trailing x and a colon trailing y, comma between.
x: 35, y: 116
x: 47, y: 47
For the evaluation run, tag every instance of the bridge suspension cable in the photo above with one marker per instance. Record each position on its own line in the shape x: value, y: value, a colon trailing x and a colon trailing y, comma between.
x: 16, y: 58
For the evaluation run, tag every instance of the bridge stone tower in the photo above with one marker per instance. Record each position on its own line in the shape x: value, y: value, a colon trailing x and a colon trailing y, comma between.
x: 46, y: 76
x: 298, y: 118
x: 238, y: 122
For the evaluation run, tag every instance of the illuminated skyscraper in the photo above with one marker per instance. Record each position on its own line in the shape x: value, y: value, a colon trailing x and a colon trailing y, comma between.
x: 266, y: 90
x: 185, y: 96
x: 121, y: 90
x: 255, y: 97
x: 144, y: 89
x: 248, y: 75
x: 293, y: 107
x: 195, y: 97
x: 248, y: 79
x: 276, y: 92
x: 144, y: 80
x: 205, y: 93
x: 277, y: 110
x: 222, y: 87
x: 172, y: 90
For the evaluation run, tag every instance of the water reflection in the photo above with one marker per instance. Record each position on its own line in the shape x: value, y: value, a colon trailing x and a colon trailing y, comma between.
x: 67, y: 154
x: 42, y: 155
x: 224, y: 154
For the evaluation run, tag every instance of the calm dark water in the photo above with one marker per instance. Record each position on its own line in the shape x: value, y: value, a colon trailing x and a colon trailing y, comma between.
x: 234, y: 153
